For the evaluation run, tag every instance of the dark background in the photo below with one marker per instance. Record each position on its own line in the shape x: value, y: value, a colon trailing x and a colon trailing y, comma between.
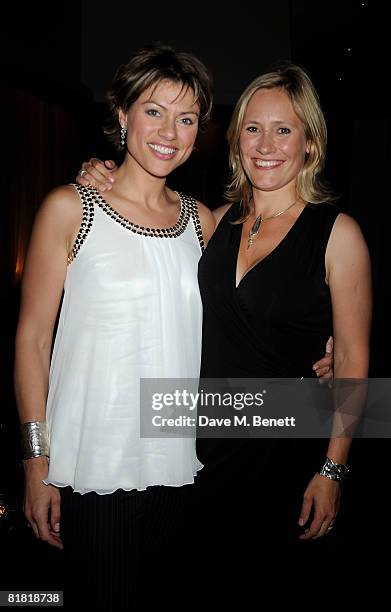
x: 57, y: 60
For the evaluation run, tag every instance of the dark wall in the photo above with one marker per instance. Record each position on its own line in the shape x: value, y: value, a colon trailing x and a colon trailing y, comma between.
x: 236, y: 43
x: 345, y: 48
x: 40, y: 48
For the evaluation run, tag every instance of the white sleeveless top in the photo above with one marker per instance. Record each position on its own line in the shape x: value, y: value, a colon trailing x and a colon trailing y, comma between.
x: 131, y: 310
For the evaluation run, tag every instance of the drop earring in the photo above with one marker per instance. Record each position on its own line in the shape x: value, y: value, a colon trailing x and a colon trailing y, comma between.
x: 122, y: 137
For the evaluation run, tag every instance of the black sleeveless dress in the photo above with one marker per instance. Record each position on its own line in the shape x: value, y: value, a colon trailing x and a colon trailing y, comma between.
x: 274, y: 324
x: 278, y: 319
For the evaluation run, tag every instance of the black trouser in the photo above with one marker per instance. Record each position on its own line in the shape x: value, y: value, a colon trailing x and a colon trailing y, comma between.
x: 120, y: 545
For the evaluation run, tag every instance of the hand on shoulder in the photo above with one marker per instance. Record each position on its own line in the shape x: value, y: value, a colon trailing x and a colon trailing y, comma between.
x: 98, y: 174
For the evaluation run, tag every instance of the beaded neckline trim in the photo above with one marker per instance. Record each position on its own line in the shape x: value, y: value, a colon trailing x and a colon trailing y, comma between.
x: 90, y: 196
x: 156, y: 232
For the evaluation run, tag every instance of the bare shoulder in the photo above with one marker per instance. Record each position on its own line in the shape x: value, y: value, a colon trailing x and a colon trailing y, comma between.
x: 59, y: 217
x: 63, y: 201
x: 219, y: 212
x: 205, y: 212
x: 207, y: 221
x: 346, y: 233
x: 62, y: 210
x: 347, y: 249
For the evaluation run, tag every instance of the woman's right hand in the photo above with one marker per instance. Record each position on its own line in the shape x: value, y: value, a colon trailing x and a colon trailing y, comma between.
x: 41, y: 500
x: 96, y: 173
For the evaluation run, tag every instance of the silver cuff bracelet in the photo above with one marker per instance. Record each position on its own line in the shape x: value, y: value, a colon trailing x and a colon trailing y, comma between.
x: 334, y: 471
x: 35, y: 439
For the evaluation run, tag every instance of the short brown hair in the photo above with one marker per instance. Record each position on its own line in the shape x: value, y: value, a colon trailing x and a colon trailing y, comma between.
x: 149, y: 66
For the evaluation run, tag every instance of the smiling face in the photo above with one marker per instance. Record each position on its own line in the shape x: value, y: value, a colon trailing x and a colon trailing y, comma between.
x: 162, y: 127
x: 272, y: 141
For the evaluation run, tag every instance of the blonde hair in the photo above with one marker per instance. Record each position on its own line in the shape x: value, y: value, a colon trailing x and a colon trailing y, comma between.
x: 148, y: 67
x: 310, y: 186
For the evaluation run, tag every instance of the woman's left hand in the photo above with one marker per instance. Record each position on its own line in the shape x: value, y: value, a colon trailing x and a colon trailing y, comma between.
x: 323, y: 495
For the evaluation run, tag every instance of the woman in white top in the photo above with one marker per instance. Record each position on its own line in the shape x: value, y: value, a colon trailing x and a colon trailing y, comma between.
x: 131, y: 309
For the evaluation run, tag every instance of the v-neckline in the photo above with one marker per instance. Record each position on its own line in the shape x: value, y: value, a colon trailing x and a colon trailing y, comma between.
x: 268, y: 256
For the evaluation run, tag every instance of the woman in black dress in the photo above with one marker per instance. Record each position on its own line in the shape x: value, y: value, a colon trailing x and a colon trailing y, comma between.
x: 283, y: 271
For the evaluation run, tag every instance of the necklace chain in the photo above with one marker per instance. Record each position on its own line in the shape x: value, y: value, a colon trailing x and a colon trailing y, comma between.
x: 254, y: 231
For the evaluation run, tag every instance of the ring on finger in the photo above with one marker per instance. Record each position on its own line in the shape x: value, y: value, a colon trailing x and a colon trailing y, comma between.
x: 82, y: 173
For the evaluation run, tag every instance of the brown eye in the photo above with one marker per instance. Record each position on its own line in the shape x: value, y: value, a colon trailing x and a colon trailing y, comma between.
x: 187, y: 121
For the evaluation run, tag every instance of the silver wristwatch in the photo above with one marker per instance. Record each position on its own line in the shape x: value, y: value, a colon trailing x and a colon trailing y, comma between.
x: 334, y: 471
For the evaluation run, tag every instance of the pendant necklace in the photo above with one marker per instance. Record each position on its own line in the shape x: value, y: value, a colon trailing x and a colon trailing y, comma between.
x: 254, y: 231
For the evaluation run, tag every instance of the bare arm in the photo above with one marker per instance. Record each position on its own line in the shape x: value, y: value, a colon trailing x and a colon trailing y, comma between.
x: 349, y: 278
x: 55, y: 227
x: 349, y: 274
